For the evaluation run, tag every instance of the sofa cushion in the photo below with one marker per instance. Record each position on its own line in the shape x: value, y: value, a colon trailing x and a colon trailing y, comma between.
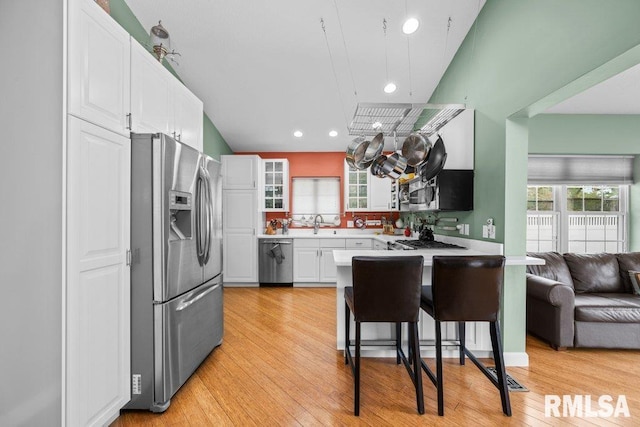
x: 635, y: 281
x: 555, y: 267
x: 594, y: 272
x: 607, y: 307
x: 628, y: 262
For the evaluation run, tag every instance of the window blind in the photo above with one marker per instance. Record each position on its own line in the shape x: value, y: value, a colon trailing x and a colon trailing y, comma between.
x: 556, y: 169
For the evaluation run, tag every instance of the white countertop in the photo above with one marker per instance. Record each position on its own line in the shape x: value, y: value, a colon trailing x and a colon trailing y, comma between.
x: 334, y: 233
x: 343, y: 258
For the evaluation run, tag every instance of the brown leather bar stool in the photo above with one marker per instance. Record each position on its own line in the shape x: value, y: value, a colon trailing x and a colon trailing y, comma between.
x: 466, y: 289
x: 385, y: 289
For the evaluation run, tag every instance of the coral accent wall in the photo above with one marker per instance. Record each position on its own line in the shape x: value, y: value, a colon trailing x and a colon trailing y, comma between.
x: 318, y: 164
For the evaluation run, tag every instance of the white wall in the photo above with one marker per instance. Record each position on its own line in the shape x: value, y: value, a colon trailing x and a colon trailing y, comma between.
x: 31, y: 212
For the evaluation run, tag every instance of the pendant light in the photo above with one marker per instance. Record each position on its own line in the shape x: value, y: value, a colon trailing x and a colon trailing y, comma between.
x: 390, y: 86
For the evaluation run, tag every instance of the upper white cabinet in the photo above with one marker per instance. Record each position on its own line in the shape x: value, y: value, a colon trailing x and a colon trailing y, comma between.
x: 187, y: 116
x: 240, y: 172
x: 151, y: 89
x: 275, y: 193
x: 364, y: 192
x: 458, y: 138
x: 98, y: 77
x: 161, y: 103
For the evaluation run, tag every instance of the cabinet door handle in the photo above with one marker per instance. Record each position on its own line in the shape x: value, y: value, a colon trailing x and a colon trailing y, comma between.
x: 129, y: 121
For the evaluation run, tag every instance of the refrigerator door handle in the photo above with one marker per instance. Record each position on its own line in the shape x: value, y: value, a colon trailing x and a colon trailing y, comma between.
x: 209, y: 216
x: 201, y: 295
x: 199, y: 246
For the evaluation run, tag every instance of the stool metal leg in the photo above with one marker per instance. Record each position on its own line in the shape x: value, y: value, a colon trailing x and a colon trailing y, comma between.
x: 439, y: 378
x: 399, y: 342
x: 461, y: 338
x: 417, y: 371
x: 347, y: 313
x: 356, y: 377
x: 496, y: 343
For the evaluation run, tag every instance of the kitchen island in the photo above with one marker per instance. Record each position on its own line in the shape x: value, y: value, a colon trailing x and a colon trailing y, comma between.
x: 377, y: 338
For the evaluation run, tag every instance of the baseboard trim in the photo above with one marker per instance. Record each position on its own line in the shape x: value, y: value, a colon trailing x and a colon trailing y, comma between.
x: 516, y: 358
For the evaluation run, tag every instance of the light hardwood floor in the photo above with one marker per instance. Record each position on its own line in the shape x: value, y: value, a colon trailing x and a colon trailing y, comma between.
x: 278, y: 366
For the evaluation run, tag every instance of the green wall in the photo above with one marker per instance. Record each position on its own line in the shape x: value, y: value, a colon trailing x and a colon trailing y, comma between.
x: 213, y: 143
x: 593, y: 134
x: 517, y: 52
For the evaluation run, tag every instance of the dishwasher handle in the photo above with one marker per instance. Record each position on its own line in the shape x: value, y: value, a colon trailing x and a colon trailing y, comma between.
x: 275, y: 242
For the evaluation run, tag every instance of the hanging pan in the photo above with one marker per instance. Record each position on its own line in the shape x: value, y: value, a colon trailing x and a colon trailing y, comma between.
x: 375, y: 147
x: 415, y: 149
x: 356, y: 154
x: 394, y: 166
x: 435, y: 161
x: 376, y: 166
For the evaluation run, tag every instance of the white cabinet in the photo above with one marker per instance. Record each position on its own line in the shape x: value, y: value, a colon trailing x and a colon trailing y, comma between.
x: 240, y: 172
x: 275, y: 193
x: 98, y: 77
x: 151, y: 89
x: 364, y: 192
x: 161, y: 103
x: 187, y: 116
x: 98, y: 274
x: 458, y: 138
x: 313, y: 260
x: 359, y: 243
x: 241, y: 219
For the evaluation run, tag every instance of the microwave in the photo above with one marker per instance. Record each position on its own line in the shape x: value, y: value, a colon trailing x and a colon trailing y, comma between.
x: 450, y: 190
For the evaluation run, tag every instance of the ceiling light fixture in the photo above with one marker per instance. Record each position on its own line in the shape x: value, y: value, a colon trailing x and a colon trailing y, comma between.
x: 333, y: 134
x: 410, y: 26
x: 297, y: 134
x: 390, y: 87
x: 376, y: 125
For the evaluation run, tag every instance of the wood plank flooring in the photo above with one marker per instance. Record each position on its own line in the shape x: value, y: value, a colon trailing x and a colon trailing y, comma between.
x: 278, y: 366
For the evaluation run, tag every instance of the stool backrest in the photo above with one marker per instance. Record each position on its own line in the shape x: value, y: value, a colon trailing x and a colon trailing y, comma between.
x: 387, y: 289
x: 467, y: 288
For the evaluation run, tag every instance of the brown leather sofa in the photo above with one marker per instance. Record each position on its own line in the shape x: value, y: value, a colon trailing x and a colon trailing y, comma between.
x: 578, y: 300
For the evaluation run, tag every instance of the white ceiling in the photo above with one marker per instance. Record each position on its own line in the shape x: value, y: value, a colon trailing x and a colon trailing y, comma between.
x: 619, y: 94
x: 263, y: 70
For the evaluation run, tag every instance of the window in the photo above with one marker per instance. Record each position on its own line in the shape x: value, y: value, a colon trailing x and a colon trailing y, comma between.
x: 577, y: 218
x: 313, y: 196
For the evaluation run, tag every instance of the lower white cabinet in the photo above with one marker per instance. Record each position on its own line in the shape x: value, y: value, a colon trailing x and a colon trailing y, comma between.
x: 98, y: 351
x: 313, y: 260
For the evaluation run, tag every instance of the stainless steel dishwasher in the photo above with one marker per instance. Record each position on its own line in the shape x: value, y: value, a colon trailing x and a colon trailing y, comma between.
x: 275, y: 265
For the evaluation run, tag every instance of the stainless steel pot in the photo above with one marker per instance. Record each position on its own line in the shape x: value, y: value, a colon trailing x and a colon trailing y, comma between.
x: 356, y: 154
x: 435, y: 161
x: 376, y: 166
x: 394, y: 166
x: 375, y: 147
x: 415, y: 149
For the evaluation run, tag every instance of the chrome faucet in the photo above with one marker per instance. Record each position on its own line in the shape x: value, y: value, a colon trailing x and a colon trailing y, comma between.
x: 316, y: 224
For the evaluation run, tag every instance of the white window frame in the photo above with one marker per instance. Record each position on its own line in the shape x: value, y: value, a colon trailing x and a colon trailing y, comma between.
x: 560, y: 216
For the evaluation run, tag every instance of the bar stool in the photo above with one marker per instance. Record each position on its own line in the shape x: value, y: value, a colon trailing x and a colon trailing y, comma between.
x: 466, y: 289
x: 385, y: 289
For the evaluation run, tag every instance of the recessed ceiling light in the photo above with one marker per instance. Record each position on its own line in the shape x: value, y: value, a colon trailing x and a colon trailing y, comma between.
x: 376, y: 125
x: 410, y: 26
x: 390, y: 87
x: 297, y: 134
x: 333, y: 134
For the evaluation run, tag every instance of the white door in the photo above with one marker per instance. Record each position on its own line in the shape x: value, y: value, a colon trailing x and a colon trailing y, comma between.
x: 328, y: 270
x: 380, y: 193
x: 97, y: 363
x: 99, y: 67
x: 305, y: 265
x: 151, y: 86
x: 240, y: 252
x: 240, y: 172
x: 188, y: 116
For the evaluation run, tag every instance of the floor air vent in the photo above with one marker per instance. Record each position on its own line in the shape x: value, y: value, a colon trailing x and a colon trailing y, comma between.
x: 511, y: 382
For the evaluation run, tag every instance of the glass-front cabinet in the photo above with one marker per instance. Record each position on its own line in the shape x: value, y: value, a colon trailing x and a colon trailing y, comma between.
x: 356, y: 189
x: 276, y: 185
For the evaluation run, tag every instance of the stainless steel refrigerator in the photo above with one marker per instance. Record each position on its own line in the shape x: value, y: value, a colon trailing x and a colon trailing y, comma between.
x: 176, y: 268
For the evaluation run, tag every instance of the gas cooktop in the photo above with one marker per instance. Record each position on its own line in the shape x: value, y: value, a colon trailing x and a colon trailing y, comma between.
x: 422, y: 244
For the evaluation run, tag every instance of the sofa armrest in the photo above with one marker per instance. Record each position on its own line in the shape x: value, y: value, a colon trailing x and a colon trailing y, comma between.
x: 550, y: 291
x: 550, y: 311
